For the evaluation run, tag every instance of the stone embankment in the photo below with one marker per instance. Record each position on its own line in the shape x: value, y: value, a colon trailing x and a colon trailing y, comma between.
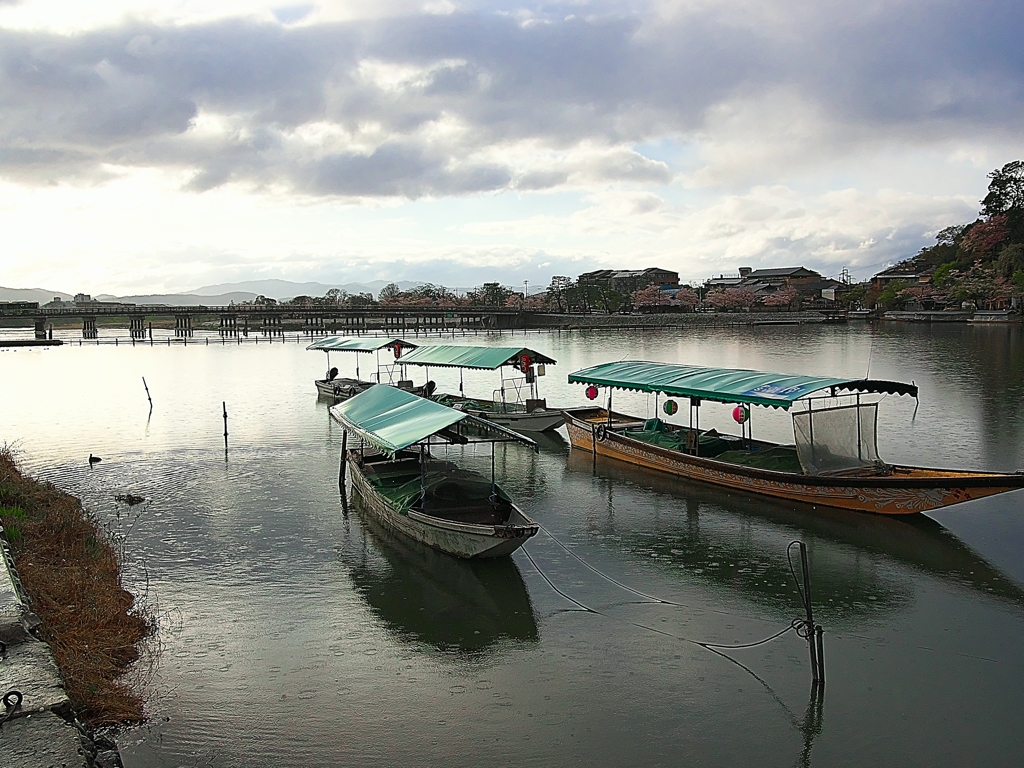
x: 677, y: 320
x: 37, y: 725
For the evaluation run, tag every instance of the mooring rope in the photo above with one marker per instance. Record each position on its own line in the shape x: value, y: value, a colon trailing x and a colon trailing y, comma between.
x: 715, y: 648
x: 605, y: 576
x: 794, y: 625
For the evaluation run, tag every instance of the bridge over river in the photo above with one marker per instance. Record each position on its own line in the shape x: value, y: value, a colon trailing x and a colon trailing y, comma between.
x: 242, y: 320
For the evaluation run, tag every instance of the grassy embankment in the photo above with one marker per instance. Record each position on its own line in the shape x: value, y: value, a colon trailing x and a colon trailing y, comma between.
x: 72, y: 576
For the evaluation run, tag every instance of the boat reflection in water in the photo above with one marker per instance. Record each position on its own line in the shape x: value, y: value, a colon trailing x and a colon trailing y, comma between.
x: 468, y: 606
x: 738, y: 541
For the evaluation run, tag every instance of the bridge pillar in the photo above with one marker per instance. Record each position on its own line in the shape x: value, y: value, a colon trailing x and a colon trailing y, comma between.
x: 89, y: 327
x: 228, y: 325
x: 40, y: 323
x: 137, y: 326
x: 183, y: 325
x: 271, y: 325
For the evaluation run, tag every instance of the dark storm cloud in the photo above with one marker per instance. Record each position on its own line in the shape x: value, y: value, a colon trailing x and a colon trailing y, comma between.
x: 128, y: 95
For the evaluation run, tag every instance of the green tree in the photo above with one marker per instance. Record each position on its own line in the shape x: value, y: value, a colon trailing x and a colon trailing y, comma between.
x: 1011, y: 260
x: 889, y: 297
x: 1018, y: 282
x: 335, y: 297
x: 1005, y: 190
x: 556, y: 290
x: 943, y: 274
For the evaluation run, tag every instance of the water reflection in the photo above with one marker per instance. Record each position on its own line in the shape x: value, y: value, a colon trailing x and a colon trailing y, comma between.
x: 721, y: 538
x: 426, y: 596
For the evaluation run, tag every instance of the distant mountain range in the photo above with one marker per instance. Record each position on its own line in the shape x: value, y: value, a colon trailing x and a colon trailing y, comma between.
x: 212, y: 295
x: 42, y: 295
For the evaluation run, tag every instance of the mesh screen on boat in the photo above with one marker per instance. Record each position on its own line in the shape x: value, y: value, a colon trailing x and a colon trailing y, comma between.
x: 836, y: 439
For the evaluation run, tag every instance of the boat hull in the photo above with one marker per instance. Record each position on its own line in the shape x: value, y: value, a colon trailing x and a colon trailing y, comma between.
x: 907, y: 491
x: 464, y: 540
x: 336, y: 390
x: 537, y: 421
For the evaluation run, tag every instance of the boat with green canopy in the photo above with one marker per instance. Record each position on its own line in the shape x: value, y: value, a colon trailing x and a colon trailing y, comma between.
x: 515, y: 404
x: 334, y: 389
x: 410, y: 490
x: 833, y: 461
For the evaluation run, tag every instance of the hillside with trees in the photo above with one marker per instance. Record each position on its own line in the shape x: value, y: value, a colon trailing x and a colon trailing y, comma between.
x: 981, y: 263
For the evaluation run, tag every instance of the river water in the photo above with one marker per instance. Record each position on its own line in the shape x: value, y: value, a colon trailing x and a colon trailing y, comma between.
x: 295, y: 633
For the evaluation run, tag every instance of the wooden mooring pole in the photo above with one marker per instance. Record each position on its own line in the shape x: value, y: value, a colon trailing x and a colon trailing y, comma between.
x: 224, y: 405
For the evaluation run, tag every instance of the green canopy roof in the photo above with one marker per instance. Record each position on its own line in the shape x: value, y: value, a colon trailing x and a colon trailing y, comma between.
x: 358, y: 344
x: 458, y: 356
x: 393, y: 419
x: 726, y: 385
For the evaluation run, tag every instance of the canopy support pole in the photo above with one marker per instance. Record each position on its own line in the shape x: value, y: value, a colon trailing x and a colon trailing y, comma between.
x: 423, y: 476
x: 341, y: 466
x: 494, y: 490
x: 461, y: 390
x: 328, y: 374
x: 693, y: 438
x: 609, y: 406
x: 859, y: 451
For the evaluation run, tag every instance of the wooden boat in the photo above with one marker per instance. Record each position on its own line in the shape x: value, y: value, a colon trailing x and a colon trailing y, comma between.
x: 515, y: 404
x: 834, y: 461
x: 334, y: 389
x: 434, y: 502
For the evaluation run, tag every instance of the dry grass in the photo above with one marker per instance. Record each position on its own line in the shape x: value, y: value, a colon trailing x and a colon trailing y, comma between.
x: 72, y: 575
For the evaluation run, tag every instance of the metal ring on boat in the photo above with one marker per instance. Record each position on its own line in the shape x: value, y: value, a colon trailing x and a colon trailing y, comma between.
x: 602, y: 432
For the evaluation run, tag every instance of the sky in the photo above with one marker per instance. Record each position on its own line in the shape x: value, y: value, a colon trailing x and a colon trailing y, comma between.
x: 152, y: 147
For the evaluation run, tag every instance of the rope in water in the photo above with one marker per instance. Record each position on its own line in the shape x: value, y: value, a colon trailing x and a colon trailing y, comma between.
x: 794, y: 625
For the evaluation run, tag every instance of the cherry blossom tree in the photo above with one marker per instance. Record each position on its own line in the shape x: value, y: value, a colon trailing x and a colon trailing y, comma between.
x: 781, y: 298
x: 650, y: 296
x: 731, y: 298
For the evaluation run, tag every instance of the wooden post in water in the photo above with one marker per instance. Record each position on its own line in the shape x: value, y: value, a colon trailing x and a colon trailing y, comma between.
x: 814, y: 632
x: 147, y: 394
x: 225, y: 406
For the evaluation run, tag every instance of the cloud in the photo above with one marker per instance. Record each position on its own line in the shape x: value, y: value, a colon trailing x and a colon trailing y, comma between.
x: 422, y: 104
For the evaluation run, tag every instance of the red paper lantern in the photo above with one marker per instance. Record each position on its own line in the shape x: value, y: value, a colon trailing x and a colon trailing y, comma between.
x: 397, y: 349
x: 740, y: 414
x: 524, y: 363
x: 591, y: 392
